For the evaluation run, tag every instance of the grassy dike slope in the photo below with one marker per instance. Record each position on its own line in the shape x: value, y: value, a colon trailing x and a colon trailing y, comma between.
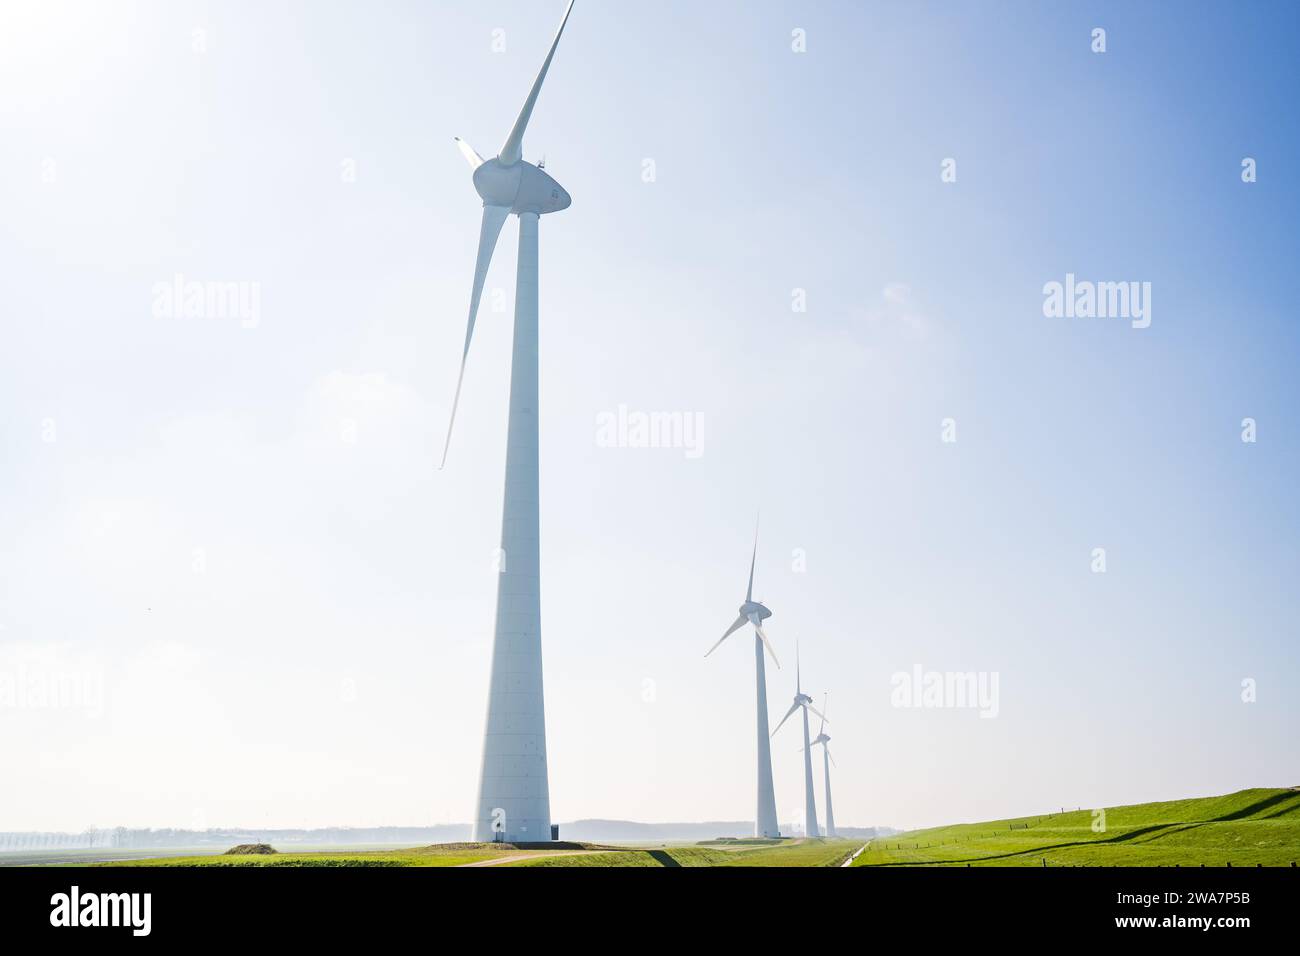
x: 1246, y: 828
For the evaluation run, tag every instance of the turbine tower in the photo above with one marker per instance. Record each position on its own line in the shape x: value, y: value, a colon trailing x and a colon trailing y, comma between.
x: 827, y: 760
x: 753, y: 612
x: 802, y: 700
x: 513, y: 794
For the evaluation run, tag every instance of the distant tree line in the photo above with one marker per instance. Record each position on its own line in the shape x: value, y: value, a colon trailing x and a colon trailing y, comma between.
x: 170, y: 837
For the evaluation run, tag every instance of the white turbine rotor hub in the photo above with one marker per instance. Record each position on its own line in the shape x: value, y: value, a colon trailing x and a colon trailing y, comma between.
x: 520, y: 187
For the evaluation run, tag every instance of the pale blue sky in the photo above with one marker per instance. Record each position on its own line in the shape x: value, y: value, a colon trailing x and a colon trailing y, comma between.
x: 330, y: 664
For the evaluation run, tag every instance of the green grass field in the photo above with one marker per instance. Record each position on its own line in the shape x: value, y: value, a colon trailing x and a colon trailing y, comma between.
x: 1247, y: 828
x: 444, y: 854
x: 721, y: 853
x: 715, y: 853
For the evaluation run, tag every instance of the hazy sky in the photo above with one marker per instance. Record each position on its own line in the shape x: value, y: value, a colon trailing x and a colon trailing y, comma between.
x: 226, y: 541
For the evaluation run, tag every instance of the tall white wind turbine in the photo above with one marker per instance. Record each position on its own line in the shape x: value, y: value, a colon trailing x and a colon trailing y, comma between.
x: 827, y: 760
x: 513, y: 794
x: 802, y: 700
x: 753, y: 612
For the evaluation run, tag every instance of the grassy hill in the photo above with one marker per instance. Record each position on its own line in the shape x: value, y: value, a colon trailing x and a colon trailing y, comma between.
x: 1246, y: 828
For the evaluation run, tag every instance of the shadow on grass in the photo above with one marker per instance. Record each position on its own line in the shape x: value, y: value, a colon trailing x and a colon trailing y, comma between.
x: 1287, y: 796
x: 1160, y: 828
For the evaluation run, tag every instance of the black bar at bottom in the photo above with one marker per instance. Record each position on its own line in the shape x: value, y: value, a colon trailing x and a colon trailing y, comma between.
x: 333, y: 904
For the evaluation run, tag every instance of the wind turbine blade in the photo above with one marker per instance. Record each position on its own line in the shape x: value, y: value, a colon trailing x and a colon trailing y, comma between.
x: 494, y: 218
x: 749, y: 594
x: 818, y: 713
x: 826, y: 699
x: 828, y: 753
x: 513, y: 150
x: 793, y: 708
x: 798, y: 678
x: 766, y: 643
x: 471, y: 155
x: 736, y: 625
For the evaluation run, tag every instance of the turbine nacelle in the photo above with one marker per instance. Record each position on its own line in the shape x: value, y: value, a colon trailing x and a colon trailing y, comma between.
x: 520, y: 187
x: 804, y: 701
x: 824, y: 739
x: 751, y: 612
x: 801, y: 700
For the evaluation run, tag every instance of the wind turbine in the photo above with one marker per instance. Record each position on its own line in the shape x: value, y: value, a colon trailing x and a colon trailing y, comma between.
x: 827, y: 760
x: 802, y: 700
x: 513, y: 794
x: 753, y: 612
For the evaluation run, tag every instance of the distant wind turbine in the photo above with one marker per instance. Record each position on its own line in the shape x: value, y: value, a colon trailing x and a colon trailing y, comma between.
x: 753, y: 612
x: 827, y: 760
x: 802, y: 700
x: 513, y: 796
